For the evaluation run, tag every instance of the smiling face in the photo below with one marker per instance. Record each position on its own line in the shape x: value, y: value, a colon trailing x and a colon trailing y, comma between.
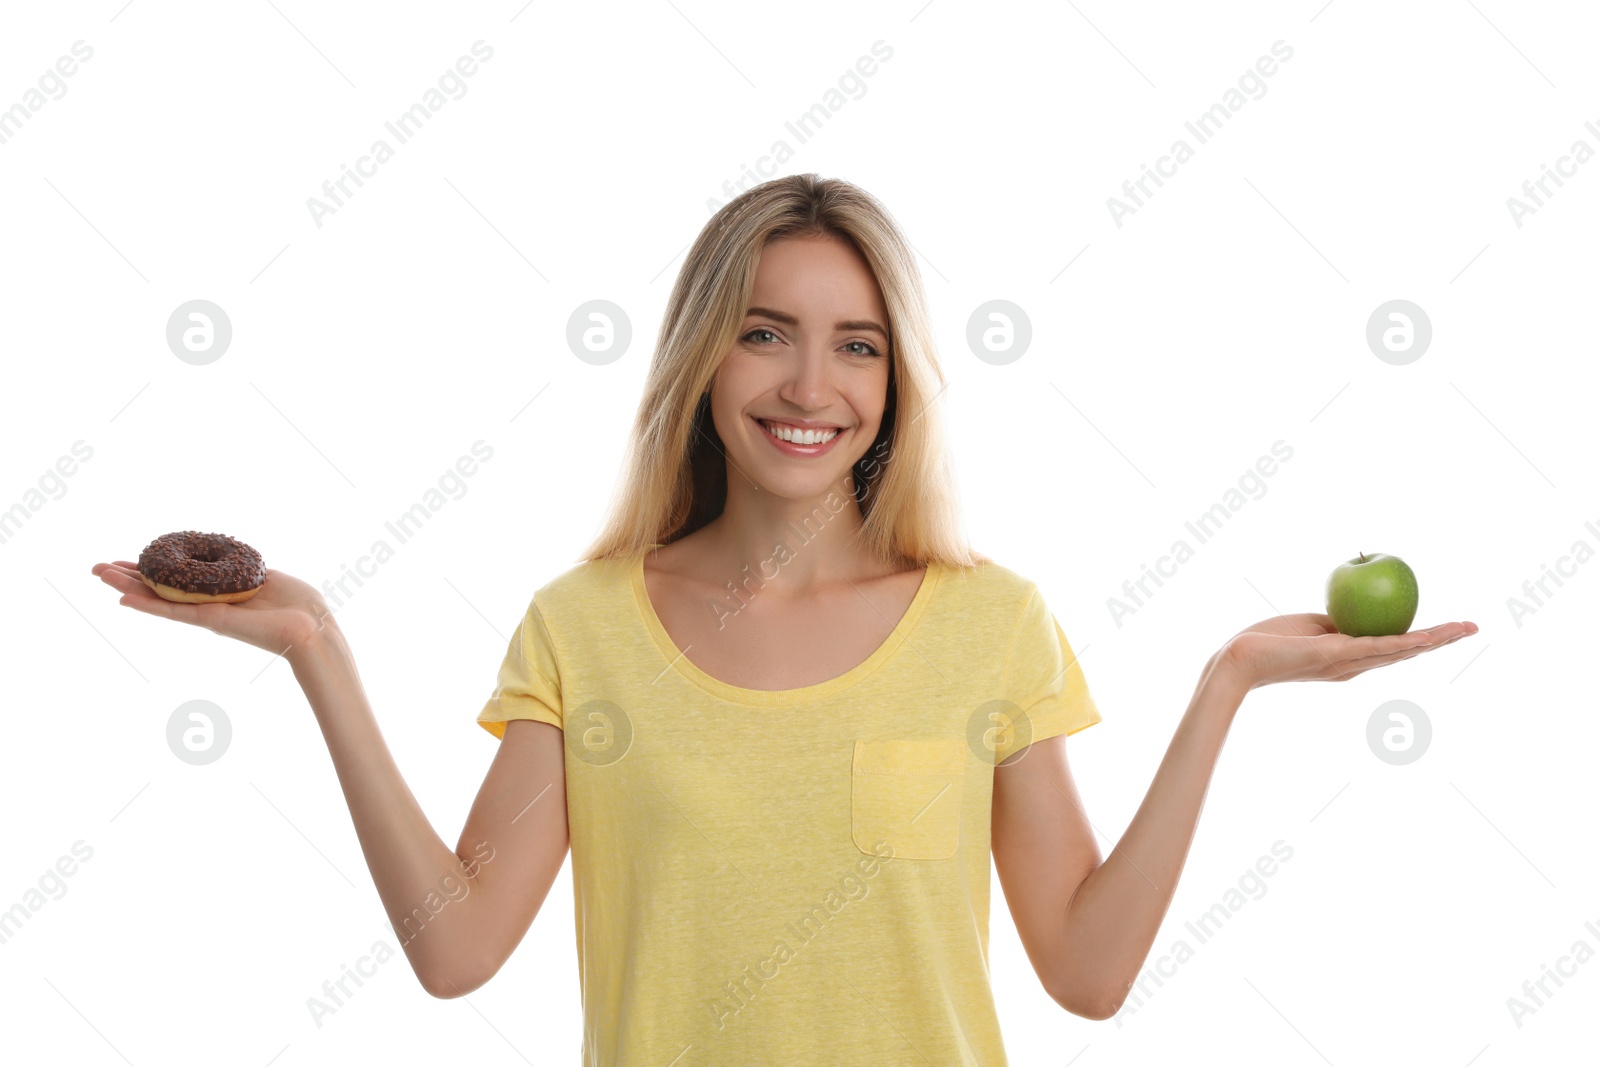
x: 812, y: 353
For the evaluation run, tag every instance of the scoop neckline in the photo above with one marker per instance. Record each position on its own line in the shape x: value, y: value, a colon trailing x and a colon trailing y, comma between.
x: 676, y: 660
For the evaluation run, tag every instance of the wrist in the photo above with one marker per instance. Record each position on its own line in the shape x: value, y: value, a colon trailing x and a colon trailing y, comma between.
x: 323, y: 644
x: 1224, y: 676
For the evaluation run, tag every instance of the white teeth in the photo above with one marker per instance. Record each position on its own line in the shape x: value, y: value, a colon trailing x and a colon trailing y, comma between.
x: 799, y: 437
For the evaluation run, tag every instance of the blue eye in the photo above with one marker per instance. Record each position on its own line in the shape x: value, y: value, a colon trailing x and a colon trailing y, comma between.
x: 870, y: 349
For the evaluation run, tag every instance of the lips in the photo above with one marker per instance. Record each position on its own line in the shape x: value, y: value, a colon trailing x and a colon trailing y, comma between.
x: 800, y: 425
x: 796, y: 449
x: 772, y: 429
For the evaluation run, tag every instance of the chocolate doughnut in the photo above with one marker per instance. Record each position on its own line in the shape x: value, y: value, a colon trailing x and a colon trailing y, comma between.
x: 198, y: 568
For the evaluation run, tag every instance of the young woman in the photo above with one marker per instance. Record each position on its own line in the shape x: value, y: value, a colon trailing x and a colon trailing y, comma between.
x: 780, y: 710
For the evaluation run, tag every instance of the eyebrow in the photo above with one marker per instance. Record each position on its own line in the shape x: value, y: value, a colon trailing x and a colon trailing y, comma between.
x: 790, y: 320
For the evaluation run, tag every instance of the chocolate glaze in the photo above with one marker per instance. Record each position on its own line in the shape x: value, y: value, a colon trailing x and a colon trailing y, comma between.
x: 202, y: 563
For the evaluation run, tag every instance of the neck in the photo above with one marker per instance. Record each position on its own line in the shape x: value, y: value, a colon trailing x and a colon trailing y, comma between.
x: 805, y: 542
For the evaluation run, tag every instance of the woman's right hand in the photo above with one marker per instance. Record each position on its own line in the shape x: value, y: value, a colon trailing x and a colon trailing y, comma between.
x: 286, y: 612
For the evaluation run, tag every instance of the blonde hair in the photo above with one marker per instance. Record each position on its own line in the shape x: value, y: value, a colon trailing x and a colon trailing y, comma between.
x: 676, y: 473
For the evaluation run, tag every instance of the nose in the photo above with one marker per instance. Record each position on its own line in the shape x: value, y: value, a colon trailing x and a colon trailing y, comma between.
x: 806, y: 385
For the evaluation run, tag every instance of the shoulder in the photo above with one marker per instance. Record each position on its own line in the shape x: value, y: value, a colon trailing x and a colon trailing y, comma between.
x: 989, y: 585
x: 583, y: 588
x: 570, y: 608
x: 989, y: 605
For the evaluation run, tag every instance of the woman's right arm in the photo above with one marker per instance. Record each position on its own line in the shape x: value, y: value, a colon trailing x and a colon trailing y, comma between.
x: 458, y: 913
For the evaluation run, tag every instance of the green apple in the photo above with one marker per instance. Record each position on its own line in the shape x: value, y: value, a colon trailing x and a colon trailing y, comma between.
x: 1372, y: 596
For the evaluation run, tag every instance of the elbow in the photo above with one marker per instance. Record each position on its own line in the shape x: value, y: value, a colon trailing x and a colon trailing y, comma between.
x: 461, y: 964
x: 1098, y: 1010
x: 450, y: 986
x: 1101, y: 1010
x: 1097, y: 1005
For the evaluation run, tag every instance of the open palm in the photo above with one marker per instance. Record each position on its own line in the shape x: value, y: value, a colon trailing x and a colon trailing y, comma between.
x: 284, y: 613
x: 1307, y: 647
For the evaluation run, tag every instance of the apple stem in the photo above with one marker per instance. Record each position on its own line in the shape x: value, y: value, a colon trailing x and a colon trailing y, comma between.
x: 1363, y: 556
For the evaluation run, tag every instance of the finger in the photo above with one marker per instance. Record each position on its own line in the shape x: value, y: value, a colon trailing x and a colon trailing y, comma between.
x: 1439, y: 636
x: 111, y: 575
x: 121, y: 579
x: 136, y: 594
x: 1448, y: 630
x: 1360, y: 666
x: 1348, y: 667
x: 151, y: 604
x: 1366, y: 647
x: 1343, y: 653
x: 1435, y: 637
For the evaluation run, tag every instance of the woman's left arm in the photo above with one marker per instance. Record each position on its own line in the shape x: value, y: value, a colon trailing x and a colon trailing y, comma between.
x: 1088, y: 925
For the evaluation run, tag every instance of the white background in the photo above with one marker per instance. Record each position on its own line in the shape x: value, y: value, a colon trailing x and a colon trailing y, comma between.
x: 1168, y: 355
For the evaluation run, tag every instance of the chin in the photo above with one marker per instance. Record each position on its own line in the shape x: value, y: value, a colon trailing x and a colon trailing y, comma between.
x: 801, y: 485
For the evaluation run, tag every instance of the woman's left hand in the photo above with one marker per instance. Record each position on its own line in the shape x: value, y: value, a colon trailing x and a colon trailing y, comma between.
x: 1307, y: 647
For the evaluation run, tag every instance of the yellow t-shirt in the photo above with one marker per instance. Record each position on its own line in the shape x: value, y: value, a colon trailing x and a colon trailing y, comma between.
x: 797, y: 876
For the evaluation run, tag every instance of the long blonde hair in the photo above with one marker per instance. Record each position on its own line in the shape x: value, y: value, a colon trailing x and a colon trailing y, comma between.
x: 676, y: 474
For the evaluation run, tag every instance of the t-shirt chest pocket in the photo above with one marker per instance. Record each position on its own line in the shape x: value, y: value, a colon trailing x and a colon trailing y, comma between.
x: 907, y: 794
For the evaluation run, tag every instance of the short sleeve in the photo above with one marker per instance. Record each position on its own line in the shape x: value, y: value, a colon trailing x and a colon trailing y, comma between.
x: 1043, y: 678
x: 528, y: 686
